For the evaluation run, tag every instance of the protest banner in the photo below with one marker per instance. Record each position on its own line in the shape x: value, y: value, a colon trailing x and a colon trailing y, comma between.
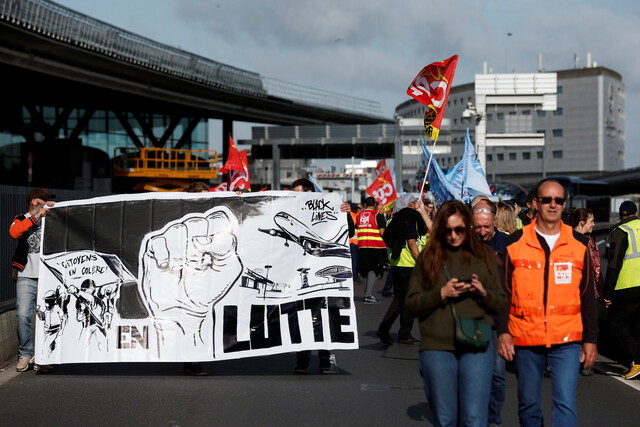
x: 194, y: 277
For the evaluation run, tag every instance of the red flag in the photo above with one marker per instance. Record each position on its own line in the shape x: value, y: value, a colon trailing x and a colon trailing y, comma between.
x: 382, y: 190
x: 431, y: 88
x: 234, y: 163
x: 220, y: 187
x: 382, y: 166
x: 239, y: 179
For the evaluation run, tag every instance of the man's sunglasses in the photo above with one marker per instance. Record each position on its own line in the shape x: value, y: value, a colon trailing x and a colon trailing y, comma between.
x: 547, y: 200
x: 458, y: 230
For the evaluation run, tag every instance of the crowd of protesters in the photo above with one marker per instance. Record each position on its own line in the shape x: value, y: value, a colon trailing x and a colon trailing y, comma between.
x: 533, y: 278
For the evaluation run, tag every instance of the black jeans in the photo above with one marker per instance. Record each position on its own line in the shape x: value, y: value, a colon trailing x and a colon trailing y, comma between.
x: 624, y: 325
x: 401, y: 276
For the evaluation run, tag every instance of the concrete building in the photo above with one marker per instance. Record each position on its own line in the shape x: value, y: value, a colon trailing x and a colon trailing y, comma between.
x: 583, y: 136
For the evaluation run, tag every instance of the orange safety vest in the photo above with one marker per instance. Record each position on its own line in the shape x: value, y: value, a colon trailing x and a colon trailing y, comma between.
x: 354, y: 239
x: 559, y: 320
x: 368, y: 231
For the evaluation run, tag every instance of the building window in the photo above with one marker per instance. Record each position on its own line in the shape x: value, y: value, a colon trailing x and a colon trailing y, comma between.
x: 500, y: 157
x: 512, y: 156
x: 513, y: 113
x: 526, y: 112
x: 539, y: 155
x: 557, y: 133
x: 558, y: 111
x: 526, y: 155
x: 557, y: 154
x: 489, y: 157
x: 560, y: 90
x: 500, y: 116
x: 455, y: 102
x: 455, y: 122
x: 542, y: 113
x: 489, y: 117
x: 542, y: 131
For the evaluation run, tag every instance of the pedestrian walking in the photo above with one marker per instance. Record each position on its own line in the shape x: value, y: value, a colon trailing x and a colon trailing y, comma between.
x: 622, y: 286
x: 372, y: 251
x: 455, y: 272
x: 551, y: 317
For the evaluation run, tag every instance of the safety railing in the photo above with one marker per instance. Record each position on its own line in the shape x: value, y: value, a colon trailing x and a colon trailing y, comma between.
x: 149, y: 162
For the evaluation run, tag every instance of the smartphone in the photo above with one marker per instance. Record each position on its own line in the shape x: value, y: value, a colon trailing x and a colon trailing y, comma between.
x: 464, y: 280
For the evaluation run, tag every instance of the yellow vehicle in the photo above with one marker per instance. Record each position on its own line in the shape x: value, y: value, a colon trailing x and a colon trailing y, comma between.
x: 164, y: 169
x: 151, y: 162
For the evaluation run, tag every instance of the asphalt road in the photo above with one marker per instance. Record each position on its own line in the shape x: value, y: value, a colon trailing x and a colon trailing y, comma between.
x: 372, y: 386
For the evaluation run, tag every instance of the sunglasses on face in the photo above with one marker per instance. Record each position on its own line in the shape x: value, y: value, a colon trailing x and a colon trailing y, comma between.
x: 458, y: 230
x: 547, y: 200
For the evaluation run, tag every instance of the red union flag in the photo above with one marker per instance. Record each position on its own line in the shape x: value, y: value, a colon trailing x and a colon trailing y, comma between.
x: 239, y: 180
x: 382, y: 166
x: 234, y: 162
x: 382, y: 190
x: 431, y: 88
x: 220, y: 187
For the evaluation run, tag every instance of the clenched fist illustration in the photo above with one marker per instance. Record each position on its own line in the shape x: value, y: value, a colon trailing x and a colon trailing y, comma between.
x: 188, y: 267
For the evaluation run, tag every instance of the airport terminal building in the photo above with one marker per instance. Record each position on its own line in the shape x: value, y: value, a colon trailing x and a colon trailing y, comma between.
x: 583, y: 136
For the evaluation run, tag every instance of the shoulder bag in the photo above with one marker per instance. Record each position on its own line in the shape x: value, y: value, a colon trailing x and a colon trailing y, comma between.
x: 470, y: 334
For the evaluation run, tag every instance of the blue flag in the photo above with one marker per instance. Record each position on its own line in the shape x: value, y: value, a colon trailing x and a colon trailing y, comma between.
x: 316, y: 187
x: 440, y: 187
x: 467, y: 175
x: 463, y: 182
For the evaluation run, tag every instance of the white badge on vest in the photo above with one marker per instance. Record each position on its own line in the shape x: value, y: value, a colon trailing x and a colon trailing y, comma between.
x: 562, y: 272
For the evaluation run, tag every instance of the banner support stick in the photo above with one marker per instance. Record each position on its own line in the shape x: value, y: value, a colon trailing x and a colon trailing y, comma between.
x: 426, y: 172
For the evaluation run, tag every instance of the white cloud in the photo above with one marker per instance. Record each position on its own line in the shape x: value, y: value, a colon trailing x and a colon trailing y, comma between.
x: 373, y: 48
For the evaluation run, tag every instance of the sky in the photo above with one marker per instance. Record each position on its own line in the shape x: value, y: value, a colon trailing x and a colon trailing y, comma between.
x: 372, y: 49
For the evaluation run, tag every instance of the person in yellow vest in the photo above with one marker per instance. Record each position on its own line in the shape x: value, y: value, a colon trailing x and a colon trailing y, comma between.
x: 622, y: 285
x: 409, y: 223
x: 551, y: 318
x: 372, y: 251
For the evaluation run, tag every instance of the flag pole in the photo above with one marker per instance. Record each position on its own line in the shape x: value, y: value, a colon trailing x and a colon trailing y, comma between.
x: 426, y: 172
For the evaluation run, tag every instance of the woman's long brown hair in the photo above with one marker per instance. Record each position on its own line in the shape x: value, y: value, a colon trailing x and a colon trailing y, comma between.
x: 434, y: 256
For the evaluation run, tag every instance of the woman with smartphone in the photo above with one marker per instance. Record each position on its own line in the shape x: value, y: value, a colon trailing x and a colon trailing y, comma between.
x: 455, y: 268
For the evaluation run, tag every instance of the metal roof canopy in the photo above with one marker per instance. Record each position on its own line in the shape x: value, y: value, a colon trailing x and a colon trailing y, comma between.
x: 52, y: 40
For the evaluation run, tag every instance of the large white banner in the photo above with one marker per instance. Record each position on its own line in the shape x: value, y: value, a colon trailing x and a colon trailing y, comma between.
x: 194, y: 277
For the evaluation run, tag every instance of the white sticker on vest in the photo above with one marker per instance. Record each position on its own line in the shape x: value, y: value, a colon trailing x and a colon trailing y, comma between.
x: 562, y: 272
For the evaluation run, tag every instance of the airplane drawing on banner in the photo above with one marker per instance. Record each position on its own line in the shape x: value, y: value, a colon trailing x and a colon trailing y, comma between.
x: 293, y: 230
x: 253, y: 279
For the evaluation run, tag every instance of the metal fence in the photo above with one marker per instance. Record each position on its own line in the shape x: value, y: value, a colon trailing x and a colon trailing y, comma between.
x: 65, y: 25
x: 13, y: 201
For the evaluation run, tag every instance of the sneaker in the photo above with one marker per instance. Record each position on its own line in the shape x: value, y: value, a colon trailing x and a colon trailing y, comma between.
x: 408, y: 341
x: 385, y: 338
x: 24, y: 362
x: 195, y: 368
x: 371, y: 300
x: 633, y: 372
x: 45, y: 369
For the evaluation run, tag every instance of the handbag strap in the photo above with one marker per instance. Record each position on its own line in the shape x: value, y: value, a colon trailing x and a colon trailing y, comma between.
x: 451, y: 303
